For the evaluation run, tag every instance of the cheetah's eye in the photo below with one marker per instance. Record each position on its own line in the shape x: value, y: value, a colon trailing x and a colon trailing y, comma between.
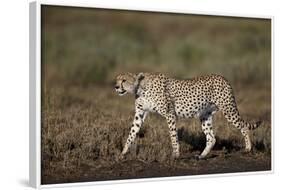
x: 124, y: 80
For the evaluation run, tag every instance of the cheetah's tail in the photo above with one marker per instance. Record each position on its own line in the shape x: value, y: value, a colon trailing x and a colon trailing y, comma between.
x: 252, y: 126
x: 238, y: 122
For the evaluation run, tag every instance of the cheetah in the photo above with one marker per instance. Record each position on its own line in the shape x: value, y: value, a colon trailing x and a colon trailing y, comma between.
x: 199, y: 97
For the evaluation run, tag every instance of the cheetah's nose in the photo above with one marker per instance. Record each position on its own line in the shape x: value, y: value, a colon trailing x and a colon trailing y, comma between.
x: 116, y: 87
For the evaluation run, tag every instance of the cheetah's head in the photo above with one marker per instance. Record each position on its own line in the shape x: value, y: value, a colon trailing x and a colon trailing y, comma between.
x: 127, y: 82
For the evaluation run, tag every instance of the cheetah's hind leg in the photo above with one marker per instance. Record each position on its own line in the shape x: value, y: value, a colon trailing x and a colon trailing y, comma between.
x: 171, y: 120
x: 248, y: 144
x: 207, y: 127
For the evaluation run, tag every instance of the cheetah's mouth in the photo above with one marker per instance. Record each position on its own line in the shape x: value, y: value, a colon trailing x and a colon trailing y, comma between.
x: 121, y: 93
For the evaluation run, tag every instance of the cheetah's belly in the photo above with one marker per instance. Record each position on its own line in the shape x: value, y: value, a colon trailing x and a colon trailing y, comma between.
x: 190, y: 107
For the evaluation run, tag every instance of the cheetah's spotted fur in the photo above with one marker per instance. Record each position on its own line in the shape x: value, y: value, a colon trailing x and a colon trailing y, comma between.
x: 199, y: 97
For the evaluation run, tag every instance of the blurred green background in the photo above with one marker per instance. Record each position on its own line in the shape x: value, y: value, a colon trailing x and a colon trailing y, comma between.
x: 85, y: 47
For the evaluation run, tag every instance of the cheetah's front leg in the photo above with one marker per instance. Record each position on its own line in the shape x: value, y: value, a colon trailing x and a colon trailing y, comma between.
x: 137, y: 123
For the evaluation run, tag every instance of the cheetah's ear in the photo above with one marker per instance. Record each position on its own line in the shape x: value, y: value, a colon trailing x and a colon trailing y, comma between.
x: 140, y: 76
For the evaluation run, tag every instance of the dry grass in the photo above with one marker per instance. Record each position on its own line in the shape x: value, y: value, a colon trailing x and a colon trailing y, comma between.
x: 89, y: 126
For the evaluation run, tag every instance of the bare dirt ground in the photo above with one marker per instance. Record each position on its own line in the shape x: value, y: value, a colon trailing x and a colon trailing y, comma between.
x: 217, y: 162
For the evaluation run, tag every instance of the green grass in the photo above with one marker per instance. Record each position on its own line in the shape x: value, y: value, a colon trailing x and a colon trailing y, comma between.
x: 96, y: 45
